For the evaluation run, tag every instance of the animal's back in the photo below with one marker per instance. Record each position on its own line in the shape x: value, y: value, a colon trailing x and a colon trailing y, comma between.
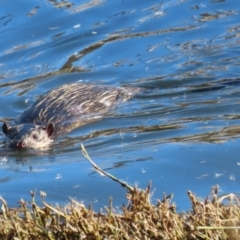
x: 73, y: 105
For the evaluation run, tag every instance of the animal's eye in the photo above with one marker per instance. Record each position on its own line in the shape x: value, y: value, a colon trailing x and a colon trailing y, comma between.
x: 35, y: 136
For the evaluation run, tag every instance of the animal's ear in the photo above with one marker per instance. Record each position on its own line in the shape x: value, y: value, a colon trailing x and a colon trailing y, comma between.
x: 5, y: 128
x: 50, y: 129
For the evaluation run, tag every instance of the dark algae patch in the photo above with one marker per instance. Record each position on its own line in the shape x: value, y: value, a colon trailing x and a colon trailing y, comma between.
x: 215, y: 217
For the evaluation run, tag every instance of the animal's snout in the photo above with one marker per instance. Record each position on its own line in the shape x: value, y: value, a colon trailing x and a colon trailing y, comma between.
x: 20, y: 145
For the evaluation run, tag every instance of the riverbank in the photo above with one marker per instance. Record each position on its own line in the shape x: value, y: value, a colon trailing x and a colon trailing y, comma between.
x: 140, y: 219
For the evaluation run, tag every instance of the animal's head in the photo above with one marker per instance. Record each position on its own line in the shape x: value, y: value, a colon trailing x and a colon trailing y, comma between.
x: 29, y: 135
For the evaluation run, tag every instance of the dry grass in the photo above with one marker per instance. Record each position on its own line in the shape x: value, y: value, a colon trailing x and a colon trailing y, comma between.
x: 140, y: 219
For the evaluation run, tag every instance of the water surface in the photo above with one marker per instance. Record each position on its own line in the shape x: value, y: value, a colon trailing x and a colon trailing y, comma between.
x: 183, y: 133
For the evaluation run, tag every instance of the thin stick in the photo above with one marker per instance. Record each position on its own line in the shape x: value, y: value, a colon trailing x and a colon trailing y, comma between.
x: 101, y: 172
x: 215, y: 227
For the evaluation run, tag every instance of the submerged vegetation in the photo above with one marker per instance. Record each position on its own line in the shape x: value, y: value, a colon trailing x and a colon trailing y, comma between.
x: 140, y: 219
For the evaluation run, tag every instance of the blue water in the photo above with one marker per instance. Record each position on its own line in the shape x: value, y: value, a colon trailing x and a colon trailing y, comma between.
x: 183, y: 134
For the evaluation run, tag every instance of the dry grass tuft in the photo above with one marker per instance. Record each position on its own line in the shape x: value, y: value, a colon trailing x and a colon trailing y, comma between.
x: 209, y: 219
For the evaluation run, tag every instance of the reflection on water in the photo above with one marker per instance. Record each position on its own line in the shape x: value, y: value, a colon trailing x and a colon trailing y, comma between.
x: 182, y: 133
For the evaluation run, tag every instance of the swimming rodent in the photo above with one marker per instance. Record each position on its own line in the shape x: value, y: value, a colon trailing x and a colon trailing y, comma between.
x: 61, y: 110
